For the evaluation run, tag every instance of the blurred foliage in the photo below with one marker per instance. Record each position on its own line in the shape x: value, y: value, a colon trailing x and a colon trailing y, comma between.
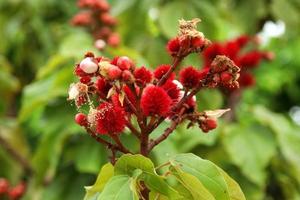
x: 38, y: 49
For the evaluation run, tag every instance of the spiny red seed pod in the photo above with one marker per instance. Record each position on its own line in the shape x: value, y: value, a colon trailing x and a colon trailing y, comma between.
x: 173, y: 46
x: 203, y: 73
x: 124, y: 63
x: 81, y: 119
x: 246, y: 79
x: 208, y: 125
x: 4, y: 185
x: 106, y: 18
x: 102, y: 86
x: 161, y: 70
x: 190, y: 104
x: 103, y: 32
x: 82, y: 19
x: 190, y: 77
x: 198, y: 42
x: 131, y: 96
x: 142, y: 76
x: 226, y: 77
x: 17, y: 192
x: 114, y: 72
x: 155, y: 101
x: 243, y: 40
x: 212, y: 51
x: 127, y: 76
x: 110, y: 119
x: 114, y: 61
x: 172, y: 90
x: 114, y: 39
x: 251, y: 59
x: 232, y: 49
x: 268, y: 55
x: 85, y: 79
x: 102, y: 5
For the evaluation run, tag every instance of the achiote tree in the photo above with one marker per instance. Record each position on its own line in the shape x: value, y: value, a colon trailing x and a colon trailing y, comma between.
x: 114, y: 95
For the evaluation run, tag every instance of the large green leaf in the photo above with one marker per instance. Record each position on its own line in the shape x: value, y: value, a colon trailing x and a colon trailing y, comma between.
x: 234, y: 189
x: 120, y: 187
x: 209, y: 175
x: 143, y: 168
x: 159, y: 184
x: 128, y: 163
x: 245, y: 146
x: 287, y: 136
x: 196, y: 190
x: 106, y: 172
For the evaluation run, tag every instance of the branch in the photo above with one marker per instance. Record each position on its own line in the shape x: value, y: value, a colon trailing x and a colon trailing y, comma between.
x: 15, y: 155
x: 168, y: 131
x: 105, y: 143
x: 120, y: 146
x: 165, y: 77
x: 133, y: 130
x: 134, y: 110
x: 128, y: 102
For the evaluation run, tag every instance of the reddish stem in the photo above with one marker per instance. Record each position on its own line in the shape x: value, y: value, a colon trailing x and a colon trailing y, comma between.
x: 133, y: 130
x: 121, y: 147
x: 106, y: 143
x: 168, y: 131
x: 166, y: 76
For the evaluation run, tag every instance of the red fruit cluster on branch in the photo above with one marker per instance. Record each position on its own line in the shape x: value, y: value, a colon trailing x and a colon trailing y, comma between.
x: 238, y: 51
x: 95, y: 17
x: 12, y: 193
x: 189, y: 40
x: 117, y: 92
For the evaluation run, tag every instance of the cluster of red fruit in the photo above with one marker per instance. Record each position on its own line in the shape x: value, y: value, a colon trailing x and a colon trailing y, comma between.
x: 117, y: 91
x: 11, y: 193
x: 243, y: 51
x: 97, y: 19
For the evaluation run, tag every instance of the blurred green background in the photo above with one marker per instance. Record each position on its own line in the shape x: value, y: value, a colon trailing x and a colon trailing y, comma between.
x: 38, y: 49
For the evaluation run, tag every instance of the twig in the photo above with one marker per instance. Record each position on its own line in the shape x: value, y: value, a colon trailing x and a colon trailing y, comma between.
x: 113, y: 156
x: 165, y: 77
x: 133, y: 130
x: 128, y: 102
x: 233, y: 99
x: 104, y: 142
x: 168, y: 131
x: 120, y: 146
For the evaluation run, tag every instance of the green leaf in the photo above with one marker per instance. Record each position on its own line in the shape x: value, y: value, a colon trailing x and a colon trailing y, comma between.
x: 206, y: 172
x: 195, y: 188
x: 143, y: 169
x: 234, y: 189
x: 39, y: 93
x: 159, y: 184
x: 287, y: 136
x: 120, y: 187
x: 97, y: 156
x: 106, y: 172
x: 128, y: 163
x: 245, y: 146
